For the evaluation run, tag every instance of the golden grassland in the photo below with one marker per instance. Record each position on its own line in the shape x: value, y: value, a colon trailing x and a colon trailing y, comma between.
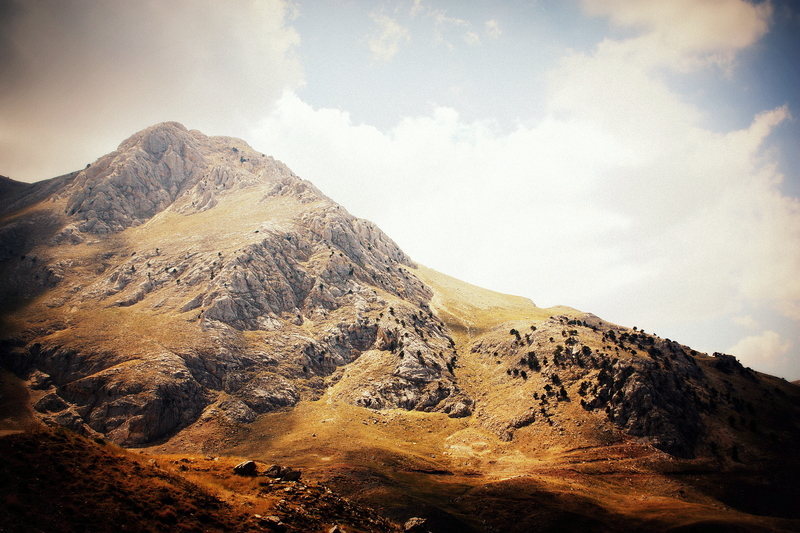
x: 211, y: 230
x: 471, y: 310
x: 400, y: 462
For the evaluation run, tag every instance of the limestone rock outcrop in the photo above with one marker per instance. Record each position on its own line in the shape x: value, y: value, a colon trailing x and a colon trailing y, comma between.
x: 271, y: 286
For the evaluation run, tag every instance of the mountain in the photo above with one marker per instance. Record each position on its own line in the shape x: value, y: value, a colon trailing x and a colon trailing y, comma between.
x: 183, y: 274
x: 187, y: 294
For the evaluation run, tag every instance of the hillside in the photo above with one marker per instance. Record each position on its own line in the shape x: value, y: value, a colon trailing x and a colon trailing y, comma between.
x: 54, y: 480
x: 188, y: 295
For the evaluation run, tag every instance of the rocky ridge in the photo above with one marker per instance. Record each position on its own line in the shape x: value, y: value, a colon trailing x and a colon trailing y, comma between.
x: 646, y: 386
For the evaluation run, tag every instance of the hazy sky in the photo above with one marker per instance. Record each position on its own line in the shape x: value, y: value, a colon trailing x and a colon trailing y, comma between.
x: 638, y: 159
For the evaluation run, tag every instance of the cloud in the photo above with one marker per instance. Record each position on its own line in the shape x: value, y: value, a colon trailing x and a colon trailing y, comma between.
x: 710, y: 228
x: 417, y: 8
x: 88, y: 74
x: 385, y: 42
x: 766, y: 350
x: 472, y: 38
x: 493, y: 29
x: 746, y: 321
x: 444, y: 25
x: 682, y: 228
x: 390, y: 34
x: 686, y: 34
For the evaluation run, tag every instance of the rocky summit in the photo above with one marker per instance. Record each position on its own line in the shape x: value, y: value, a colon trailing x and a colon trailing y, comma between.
x: 190, y: 293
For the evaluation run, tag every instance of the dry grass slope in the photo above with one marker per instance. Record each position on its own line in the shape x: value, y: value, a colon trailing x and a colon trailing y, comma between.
x: 57, y: 481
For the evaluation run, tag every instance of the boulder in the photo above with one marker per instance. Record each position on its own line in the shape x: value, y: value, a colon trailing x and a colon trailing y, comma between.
x: 415, y: 525
x: 51, y: 403
x: 284, y: 473
x: 245, y: 468
x: 272, y: 523
x: 273, y: 471
x: 290, y: 474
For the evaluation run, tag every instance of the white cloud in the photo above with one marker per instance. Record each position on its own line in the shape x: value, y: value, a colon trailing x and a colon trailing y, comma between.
x: 746, y: 321
x: 767, y: 350
x: 683, y: 226
x: 444, y: 24
x: 441, y: 18
x: 472, y: 38
x: 710, y: 228
x: 686, y: 34
x: 417, y: 8
x: 493, y: 29
x: 385, y: 42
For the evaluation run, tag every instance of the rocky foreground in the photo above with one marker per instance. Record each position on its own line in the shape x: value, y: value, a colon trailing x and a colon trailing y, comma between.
x: 58, y: 482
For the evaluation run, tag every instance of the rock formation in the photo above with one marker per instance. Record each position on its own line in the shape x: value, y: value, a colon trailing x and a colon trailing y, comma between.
x: 276, y: 286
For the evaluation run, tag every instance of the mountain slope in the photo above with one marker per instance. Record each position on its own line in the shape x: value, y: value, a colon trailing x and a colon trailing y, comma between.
x: 183, y: 272
x: 189, y: 293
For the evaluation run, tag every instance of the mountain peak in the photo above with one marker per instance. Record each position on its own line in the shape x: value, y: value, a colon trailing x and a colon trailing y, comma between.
x: 159, y: 166
x: 157, y: 139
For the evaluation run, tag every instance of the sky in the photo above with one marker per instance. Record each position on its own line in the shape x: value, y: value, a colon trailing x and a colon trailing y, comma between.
x: 636, y: 159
